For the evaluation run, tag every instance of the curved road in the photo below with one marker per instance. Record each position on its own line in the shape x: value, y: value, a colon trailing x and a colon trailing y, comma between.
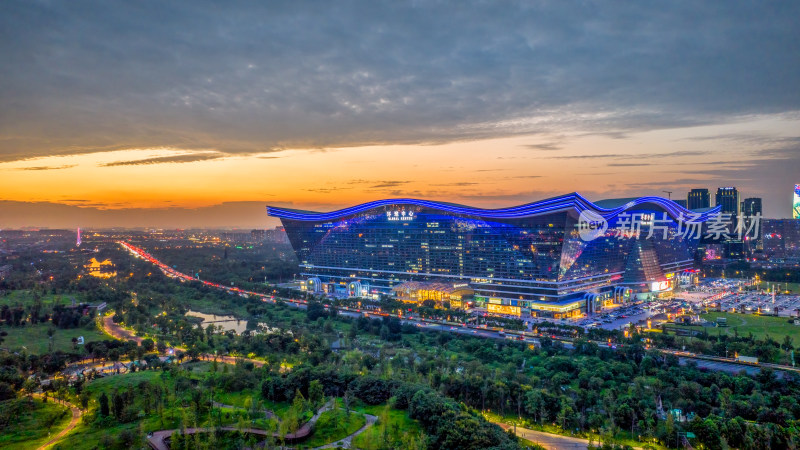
x: 76, y: 415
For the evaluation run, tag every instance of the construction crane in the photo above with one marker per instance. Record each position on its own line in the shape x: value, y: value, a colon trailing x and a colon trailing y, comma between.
x: 669, y: 194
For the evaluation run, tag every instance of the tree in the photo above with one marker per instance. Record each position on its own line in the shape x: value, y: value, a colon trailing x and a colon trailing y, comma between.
x: 6, y: 391
x: 99, y: 351
x: 104, y: 411
x: 315, y: 393
x: 148, y: 345
x: 118, y: 405
x: 84, y: 399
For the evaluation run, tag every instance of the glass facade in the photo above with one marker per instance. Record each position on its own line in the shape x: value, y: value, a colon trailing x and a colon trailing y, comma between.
x: 526, y: 256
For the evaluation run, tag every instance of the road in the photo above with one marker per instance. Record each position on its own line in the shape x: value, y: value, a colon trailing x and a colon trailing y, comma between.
x: 547, y: 440
x: 76, y: 416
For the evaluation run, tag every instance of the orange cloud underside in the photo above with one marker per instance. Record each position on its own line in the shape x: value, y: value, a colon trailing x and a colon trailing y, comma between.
x: 489, y: 168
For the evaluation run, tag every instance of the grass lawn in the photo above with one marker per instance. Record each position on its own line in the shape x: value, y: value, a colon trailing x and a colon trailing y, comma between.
x: 395, y: 419
x: 793, y: 288
x: 334, y: 425
x: 126, y: 380
x: 35, y: 339
x: 28, y: 423
x: 122, y: 381
x: 24, y: 297
x: 239, y: 398
x: 760, y: 326
x: 88, y: 436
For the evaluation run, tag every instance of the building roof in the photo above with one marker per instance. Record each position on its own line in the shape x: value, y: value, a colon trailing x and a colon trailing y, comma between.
x: 574, y: 201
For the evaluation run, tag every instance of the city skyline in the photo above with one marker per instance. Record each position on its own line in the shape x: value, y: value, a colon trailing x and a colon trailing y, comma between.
x: 171, y: 116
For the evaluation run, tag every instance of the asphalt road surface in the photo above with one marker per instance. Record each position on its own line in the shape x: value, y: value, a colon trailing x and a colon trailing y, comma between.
x: 547, y: 440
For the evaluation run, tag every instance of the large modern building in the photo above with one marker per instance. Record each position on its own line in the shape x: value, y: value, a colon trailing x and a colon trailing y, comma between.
x: 560, y: 256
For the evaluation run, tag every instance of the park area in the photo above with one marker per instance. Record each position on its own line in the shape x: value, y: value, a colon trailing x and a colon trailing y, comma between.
x: 760, y: 326
x: 26, y: 423
x: 36, y: 340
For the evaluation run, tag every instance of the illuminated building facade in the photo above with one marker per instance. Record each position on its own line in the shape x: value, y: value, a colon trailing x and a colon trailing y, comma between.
x: 456, y: 295
x: 698, y: 199
x: 532, y: 256
x: 728, y: 199
x: 796, y: 202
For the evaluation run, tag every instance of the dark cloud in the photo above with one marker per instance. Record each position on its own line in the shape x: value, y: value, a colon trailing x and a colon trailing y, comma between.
x: 327, y: 190
x: 192, y: 157
x: 636, y: 156
x: 550, y: 146
x: 600, y: 156
x: 458, y: 184
x: 683, y: 182
x: 389, y: 184
x: 65, y: 166
x: 84, y: 76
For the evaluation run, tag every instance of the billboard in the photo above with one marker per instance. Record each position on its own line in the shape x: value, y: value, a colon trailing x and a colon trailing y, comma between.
x: 660, y: 286
x: 503, y: 309
x: 796, y: 202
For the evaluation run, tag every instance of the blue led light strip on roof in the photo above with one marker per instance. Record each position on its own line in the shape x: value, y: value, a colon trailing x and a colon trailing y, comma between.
x: 561, y: 203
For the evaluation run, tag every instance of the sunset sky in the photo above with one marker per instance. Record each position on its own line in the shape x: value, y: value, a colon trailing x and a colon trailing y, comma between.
x: 197, y: 114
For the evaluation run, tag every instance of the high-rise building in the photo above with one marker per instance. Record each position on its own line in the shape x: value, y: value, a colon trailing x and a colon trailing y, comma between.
x: 781, y: 240
x: 699, y: 198
x: 728, y: 199
x: 796, y: 202
x: 752, y: 206
x: 682, y: 203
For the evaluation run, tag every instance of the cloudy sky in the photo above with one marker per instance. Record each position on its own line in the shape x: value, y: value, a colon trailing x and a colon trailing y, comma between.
x: 182, y: 114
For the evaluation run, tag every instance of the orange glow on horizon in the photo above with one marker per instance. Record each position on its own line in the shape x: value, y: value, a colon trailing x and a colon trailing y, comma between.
x: 490, y: 173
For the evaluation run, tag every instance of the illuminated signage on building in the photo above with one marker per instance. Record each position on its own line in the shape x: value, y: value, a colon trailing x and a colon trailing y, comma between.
x: 399, y: 215
x: 796, y: 202
x: 658, y: 286
x: 558, y: 308
x: 503, y: 309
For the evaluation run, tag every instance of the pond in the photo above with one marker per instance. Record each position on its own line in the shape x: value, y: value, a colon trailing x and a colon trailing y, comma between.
x: 227, y: 323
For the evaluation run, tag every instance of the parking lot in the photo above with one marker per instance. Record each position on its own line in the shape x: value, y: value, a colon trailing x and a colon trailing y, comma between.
x: 727, y: 295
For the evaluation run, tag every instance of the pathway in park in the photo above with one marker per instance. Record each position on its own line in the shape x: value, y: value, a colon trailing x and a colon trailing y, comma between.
x: 157, y: 439
x: 76, y: 415
x: 347, y: 441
